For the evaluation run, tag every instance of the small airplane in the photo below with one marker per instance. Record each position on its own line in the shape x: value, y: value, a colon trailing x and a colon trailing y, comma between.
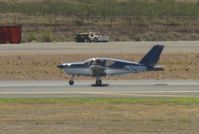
x: 102, y: 67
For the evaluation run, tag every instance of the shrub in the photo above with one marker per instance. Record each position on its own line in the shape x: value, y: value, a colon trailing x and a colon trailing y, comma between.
x: 79, y: 22
x: 46, y: 37
x: 32, y: 37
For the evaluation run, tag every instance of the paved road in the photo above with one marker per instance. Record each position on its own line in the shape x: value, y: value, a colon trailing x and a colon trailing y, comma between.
x: 57, y: 89
x: 111, y: 47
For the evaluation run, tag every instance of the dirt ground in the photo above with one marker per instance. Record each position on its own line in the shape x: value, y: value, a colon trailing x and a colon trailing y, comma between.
x: 43, y: 67
x: 98, y: 118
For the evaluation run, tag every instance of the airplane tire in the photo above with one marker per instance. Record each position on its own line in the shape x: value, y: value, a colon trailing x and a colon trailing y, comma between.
x: 71, y: 82
x: 98, y: 82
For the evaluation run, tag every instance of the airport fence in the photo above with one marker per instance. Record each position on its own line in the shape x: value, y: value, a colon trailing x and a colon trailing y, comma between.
x: 129, y: 27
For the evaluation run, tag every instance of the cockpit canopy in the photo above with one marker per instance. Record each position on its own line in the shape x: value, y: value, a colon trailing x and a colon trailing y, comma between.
x: 100, y: 61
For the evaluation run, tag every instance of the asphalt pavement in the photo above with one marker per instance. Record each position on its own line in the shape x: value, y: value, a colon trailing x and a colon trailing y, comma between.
x: 62, y: 48
x: 84, y: 88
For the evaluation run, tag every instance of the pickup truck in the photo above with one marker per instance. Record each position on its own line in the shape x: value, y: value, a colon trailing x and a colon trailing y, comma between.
x: 91, y: 37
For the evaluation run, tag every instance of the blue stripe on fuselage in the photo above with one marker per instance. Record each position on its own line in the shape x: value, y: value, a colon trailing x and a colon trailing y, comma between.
x: 78, y: 65
x: 127, y: 66
x: 115, y: 65
x: 118, y: 64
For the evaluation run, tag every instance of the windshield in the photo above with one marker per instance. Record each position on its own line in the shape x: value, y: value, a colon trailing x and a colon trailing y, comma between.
x: 100, y: 62
x: 88, y: 62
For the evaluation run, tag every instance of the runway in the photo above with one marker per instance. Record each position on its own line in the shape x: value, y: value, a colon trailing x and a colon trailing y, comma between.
x: 83, y: 88
x: 61, y: 48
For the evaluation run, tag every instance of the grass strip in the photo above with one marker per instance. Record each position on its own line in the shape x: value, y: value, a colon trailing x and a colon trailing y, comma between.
x: 102, y: 7
x: 145, y: 101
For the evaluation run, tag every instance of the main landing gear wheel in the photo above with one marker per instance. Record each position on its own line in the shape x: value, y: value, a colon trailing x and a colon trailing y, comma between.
x: 71, y: 82
x: 98, y: 82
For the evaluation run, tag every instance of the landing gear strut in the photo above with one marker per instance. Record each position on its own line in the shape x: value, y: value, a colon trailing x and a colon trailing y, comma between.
x: 71, y: 81
x: 98, y: 81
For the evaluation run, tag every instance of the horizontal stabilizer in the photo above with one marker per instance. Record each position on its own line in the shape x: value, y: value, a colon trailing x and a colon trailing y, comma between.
x: 159, y: 68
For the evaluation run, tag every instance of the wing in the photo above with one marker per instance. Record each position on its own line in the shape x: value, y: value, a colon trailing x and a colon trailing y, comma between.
x: 98, y: 70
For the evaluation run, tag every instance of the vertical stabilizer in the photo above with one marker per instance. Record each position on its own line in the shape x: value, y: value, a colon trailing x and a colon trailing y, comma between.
x: 152, y: 57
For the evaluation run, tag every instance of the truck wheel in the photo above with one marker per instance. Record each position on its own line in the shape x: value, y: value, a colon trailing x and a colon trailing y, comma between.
x: 95, y: 39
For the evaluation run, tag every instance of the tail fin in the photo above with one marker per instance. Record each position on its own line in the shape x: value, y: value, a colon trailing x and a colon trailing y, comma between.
x: 152, y: 57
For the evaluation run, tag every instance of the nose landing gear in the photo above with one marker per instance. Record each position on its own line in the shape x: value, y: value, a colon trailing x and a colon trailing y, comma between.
x: 71, y: 81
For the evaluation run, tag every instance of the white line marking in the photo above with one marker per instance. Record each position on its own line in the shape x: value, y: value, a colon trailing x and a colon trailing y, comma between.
x: 103, y: 92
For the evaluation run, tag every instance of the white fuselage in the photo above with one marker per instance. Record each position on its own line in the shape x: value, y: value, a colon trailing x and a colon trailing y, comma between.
x: 78, y: 71
x: 108, y: 71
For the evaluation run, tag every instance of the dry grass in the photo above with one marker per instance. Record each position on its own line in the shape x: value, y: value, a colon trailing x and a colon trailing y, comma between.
x: 98, y: 118
x: 21, y: 1
x: 43, y: 67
